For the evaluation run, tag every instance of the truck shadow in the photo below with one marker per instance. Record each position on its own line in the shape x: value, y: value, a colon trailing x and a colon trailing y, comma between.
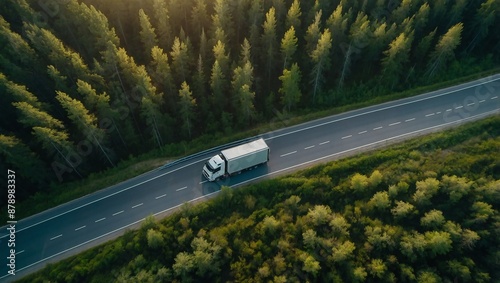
x: 244, y: 178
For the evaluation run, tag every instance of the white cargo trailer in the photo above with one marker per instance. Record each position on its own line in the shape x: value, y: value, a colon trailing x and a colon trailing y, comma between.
x: 234, y: 160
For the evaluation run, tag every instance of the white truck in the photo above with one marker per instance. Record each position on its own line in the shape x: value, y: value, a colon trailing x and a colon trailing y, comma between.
x: 234, y: 160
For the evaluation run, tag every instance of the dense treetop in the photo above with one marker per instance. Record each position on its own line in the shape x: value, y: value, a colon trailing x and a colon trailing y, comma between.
x: 85, y: 84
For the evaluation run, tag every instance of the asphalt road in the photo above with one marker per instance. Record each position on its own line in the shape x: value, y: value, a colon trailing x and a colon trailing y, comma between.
x: 59, y: 232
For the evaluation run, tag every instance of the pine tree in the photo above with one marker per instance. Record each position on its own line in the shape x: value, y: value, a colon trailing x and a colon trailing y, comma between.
x: 313, y: 33
x: 64, y: 59
x: 290, y: 87
x: 421, y: 19
x: 180, y: 63
x: 199, y: 16
x: 218, y: 86
x: 147, y: 33
x: 31, y: 116
x: 396, y: 58
x: 358, y: 40
x: 186, y: 108
x: 483, y: 21
x: 445, y: 49
x: 152, y: 115
x: 162, y: 20
x: 53, y: 139
x: 90, y: 24
x: 222, y: 19
x: 200, y: 86
x: 220, y: 55
x: 20, y: 92
x: 320, y: 57
x: 161, y: 75
x: 21, y: 158
x: 269, y: 43
x: 100, y: 105
x: 246, y: 54
x: 423, y: 48
x: 293, y: 16
x: 243, y: 96
x: 18, y: 57
x: 288, y: 46
x: 402, y: 12
x: 84, y: 121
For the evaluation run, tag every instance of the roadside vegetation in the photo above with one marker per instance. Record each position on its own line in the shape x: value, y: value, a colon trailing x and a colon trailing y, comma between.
x: 426, y: 210
x: 91, y: 87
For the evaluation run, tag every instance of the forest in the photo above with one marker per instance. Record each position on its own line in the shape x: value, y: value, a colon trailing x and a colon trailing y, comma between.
x: 87, y: 84
x: 426, y: 211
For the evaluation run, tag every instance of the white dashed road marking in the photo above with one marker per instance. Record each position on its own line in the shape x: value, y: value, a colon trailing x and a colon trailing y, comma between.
x: 325, y: 142
x: 409, y: 120
x: 377, y: 128
x: 137, y: 205
x: 288, y: 153
x: 80, y: 228
x: 181, y: 189
x: 309, y: 147
x: 20, y: 252
x: 394, y: 124
x: 458, y: 107
x: 114, y: 214
x: 160, y: 196
x: 470, y: 104
x: 494, y: 97
x: 56, y: 237
x: 481, y: 101
x: 346, y: 137
x: 363, y: 132
x: 428, y: 115
x: 99, y: 220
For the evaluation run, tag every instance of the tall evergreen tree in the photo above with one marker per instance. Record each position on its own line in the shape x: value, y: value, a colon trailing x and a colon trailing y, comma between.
x: 288, y: 46
x: 358, y: 40
x: 243, y: 96
x: 313, y: 33
x: 21, y: 158
x: 320, y: 57
x: 483, y: 21
x: 396, y: 58
x: 180, y: 60
x: 162, y: 20
x: 445, y: 49
x: 218, y: 85
x: 84, y: 121
x: 186, y: 108
x: 147, y: 33
x: 269, y: 44
x: 245, y: 54
x: 199, y: 17
x: 20, y: 92
x: 222, y: 19
x: 290, y: 87
x: 293, y: 16
x: 64, y: 59
x: 161, y: 75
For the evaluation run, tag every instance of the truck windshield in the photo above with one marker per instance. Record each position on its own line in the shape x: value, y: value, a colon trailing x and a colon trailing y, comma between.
x: 209, y: 167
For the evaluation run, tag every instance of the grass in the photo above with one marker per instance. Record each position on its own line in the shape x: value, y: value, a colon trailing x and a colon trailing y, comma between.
x: 134, y: 166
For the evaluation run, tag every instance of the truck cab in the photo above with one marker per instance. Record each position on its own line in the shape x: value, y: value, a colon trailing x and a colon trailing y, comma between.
x: 214, y: 168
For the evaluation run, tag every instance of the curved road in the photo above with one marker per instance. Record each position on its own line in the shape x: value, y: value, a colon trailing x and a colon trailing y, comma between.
x: 77, y: 225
